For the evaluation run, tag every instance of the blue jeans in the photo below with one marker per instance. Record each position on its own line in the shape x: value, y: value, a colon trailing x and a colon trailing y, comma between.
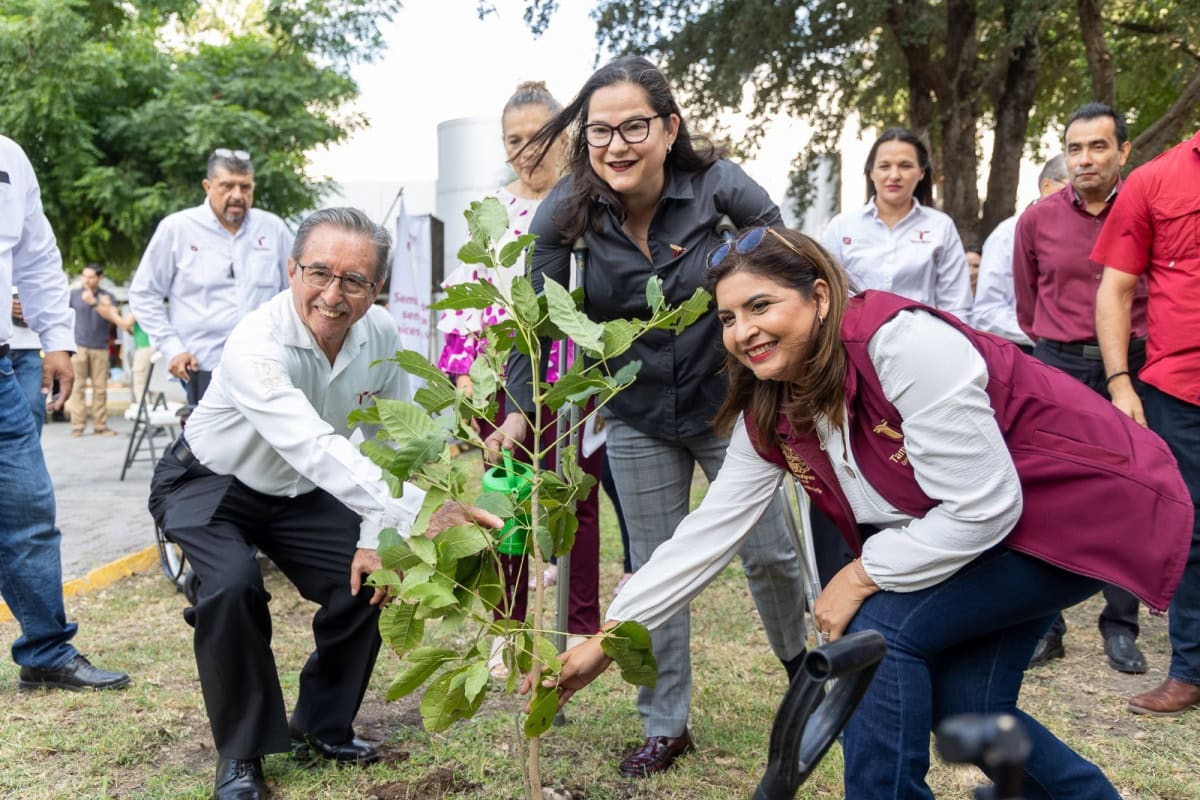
x: 962, y: 647
x: 28, y: 366
x: 1178, y: 423
x: 30, y: 569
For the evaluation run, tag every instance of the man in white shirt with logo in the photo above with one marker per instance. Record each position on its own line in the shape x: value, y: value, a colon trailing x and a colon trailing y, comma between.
x: 267, y: 464
x: 30, y: 561
x: 213, y: 263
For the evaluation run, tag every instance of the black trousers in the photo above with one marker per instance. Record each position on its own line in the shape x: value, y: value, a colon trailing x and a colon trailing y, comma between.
x: 1120, y: 612
x: 221, y: 524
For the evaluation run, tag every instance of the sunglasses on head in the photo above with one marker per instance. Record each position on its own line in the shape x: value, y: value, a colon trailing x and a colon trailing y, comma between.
x: 225, y: 152
x: 746, y: 243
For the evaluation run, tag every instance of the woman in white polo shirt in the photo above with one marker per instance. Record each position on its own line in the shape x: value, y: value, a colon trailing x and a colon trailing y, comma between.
x: 898, y: 241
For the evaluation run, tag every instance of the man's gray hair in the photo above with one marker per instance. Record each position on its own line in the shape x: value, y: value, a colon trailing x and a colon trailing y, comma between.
x: 1054, y: 170
x: 355, y: 221
x: 231, y: 164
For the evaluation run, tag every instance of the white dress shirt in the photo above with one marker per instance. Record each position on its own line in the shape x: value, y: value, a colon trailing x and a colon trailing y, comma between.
x: 995, y: 309
x: 937, y: 381
x: 922, y: 258
x: 29, y: 257
x: 210, y: 277
x: 275, y: 413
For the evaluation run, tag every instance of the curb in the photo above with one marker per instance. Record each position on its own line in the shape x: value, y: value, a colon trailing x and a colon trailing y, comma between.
x: 102, y: 576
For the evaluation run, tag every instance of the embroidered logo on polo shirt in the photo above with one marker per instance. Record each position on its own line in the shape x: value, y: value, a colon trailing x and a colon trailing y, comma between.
x: 800, y: 468
x: 883, y: 429
x: 261, y: 241
x: 370, y: 394
x: 845, y: 240
x: 921, y: 237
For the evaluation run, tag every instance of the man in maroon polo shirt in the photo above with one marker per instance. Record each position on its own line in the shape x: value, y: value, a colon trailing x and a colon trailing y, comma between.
x: 1055, y: 287
x: 1154, y: 231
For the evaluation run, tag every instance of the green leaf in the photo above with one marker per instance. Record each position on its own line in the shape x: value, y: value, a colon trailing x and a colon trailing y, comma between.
x: 510, y: 252
x: 475, y: 253
x: 625, y: 375
x: 381, y: 454
x: 483, y: 379
x: 654, y: 294
x: 525, y: 302
x: 490, y: 587
x: 403, y: 420
x: 573, y: 322
x: 693, y: 308
x: 628, y: 644
x: 498, y: 503
x: 487, y: 220
x: 437, y: 705
x: 432, y: 595
x: 619, y: 335
x: 562, y: 525
x: 422, y: 667
x: 434, y: 497
x: 415, y: 452
x: 542, y: 709
x: 395, y: 553
x: 547, y: 654
x: 363, y: 416
x: 434, y: 397
x: 460, y: 541
x: 416, y: 364
x: 399, y: 627
x: 384, y: 577
x: 575, y: 388
x: 424, y: 548
x: 476, y: 294
x: 415, y: 575
x: 476, y: 680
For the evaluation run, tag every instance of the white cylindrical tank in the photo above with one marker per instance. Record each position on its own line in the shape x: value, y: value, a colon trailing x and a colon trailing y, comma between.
x: 471, y: 165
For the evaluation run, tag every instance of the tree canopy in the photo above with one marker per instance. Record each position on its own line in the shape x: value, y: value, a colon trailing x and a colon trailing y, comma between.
x: 119, y: 103
x: 950, y: 69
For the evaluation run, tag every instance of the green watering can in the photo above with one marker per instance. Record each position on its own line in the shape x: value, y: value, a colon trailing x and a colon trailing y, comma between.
x: 515, y: 480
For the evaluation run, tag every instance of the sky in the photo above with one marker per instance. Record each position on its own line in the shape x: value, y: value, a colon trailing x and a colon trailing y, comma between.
x: 444, y: 63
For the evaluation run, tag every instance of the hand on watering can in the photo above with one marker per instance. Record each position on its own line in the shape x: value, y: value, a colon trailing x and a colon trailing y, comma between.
x: 508, y: 436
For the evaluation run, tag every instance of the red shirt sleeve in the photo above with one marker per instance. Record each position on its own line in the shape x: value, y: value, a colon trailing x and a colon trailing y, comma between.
x: 1025, y: 272
x: 1128, y: 233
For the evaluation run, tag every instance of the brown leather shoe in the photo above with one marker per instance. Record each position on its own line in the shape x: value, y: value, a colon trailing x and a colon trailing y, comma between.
x: 1171, y: 697
x: 656, y: 754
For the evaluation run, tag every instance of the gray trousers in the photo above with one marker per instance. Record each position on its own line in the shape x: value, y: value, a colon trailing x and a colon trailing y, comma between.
x: 654, y: 478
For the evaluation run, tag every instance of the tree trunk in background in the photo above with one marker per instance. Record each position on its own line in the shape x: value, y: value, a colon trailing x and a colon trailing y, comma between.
x: 1013, y: 102
x: 1168, y: 130
x: 1099, y: 58
x: 960, y: 157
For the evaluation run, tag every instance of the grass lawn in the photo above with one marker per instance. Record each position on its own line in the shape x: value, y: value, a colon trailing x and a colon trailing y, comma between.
x: 152, y: 740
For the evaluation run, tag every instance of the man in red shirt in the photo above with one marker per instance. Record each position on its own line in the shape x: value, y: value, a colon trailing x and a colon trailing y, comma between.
x: 1055, y: 288
x: 1154, y: 230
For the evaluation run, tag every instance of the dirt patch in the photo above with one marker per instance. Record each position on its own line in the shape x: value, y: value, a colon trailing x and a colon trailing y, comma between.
x: 439, y: 783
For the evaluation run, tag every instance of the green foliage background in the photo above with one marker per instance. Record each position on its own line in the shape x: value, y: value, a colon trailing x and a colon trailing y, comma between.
x: 119, y: 102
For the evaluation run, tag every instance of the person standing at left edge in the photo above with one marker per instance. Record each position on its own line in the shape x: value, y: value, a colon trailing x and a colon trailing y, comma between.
x: 30, y: 566
x: 267, y: 464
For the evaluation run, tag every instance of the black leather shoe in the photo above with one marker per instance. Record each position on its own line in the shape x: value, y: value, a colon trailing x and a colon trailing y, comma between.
x: 76, y: 674
x: 656, y: 754
x: 1049, y: 648
x: 355, y: 751
x: 240, y: 779
x: 1124, y: 655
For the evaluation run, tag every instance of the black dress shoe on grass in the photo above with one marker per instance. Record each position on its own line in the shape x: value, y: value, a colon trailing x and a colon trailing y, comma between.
x: 355, y: 751
x: 656, y: 754
x: 240, y: 779
x: 76, y: 674
x: 1050, y: 647
x: 1124, y: 655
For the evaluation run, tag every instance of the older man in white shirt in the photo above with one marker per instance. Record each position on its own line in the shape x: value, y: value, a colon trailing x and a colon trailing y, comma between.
x: 30, y: 562
x: 268, y: 464
x: 213, y: 264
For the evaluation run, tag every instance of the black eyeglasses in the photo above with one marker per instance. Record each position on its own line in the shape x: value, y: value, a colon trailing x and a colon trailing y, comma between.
x: 634, y: 130
x: 319, y: 276
x: 225, y: 152
x: 747, y: 242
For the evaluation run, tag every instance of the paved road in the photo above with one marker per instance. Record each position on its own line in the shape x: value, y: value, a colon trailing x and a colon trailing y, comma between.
x: 102, y: 518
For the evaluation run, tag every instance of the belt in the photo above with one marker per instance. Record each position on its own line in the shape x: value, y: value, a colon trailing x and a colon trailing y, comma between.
x: 183, y: 454
x: 3, y: 350
x: 1088, y: 349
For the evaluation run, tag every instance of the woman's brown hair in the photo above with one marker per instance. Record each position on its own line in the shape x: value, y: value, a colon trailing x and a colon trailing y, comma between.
x: 793, y: 260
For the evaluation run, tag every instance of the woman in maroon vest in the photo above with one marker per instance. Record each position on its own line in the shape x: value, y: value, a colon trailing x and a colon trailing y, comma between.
x: 983, y: 490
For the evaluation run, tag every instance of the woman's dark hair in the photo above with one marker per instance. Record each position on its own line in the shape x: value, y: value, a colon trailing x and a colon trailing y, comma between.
x: 581, y: 211
x: 924, y: 190
x: 798, y: 266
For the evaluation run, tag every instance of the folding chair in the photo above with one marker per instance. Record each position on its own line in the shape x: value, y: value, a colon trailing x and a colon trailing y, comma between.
x: 153, y: 417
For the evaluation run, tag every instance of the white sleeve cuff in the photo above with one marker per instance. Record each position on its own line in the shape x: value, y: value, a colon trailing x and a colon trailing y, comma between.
x: 400, y: 514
